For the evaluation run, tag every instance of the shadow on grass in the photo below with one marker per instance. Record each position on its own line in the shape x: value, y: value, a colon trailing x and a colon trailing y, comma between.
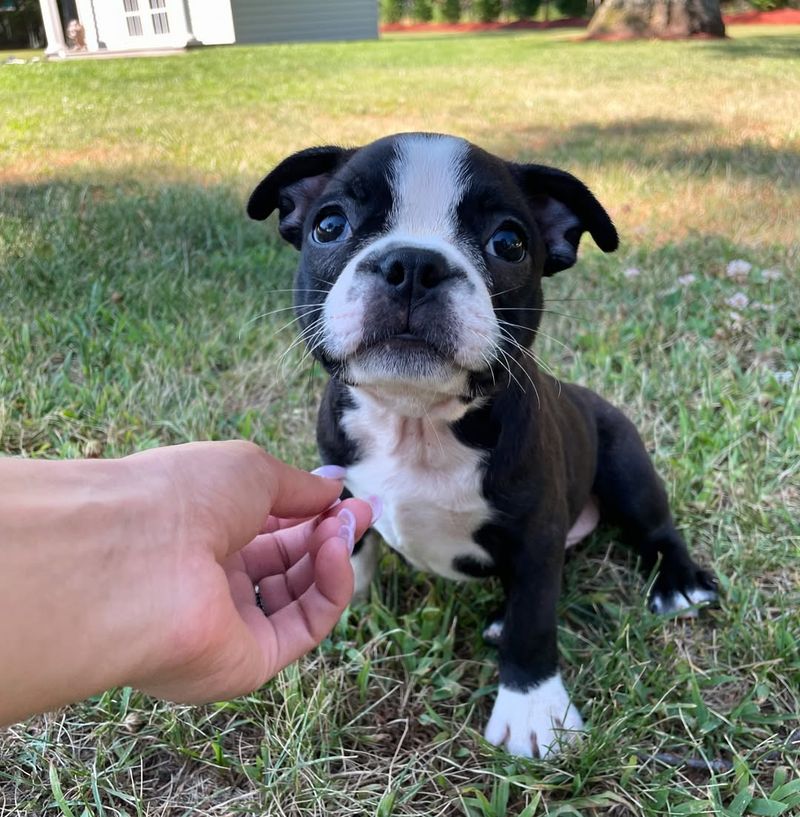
x: 656, y: 143
x: 773, y: 46
x: 172, y: 359
x: 133, y: 315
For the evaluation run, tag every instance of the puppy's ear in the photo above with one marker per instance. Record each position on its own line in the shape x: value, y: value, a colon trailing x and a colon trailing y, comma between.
x: 293, y: 186
x: 564, y: 208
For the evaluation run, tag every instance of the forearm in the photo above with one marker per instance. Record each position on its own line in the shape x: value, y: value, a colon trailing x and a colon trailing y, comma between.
x: 68, y: 582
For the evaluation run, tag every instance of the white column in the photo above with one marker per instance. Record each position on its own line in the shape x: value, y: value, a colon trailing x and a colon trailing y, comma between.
x: 191, y: 40
x: 56, y: 45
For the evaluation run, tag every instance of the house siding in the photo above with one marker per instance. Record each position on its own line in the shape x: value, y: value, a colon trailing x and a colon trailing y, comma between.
x: 265, y: 21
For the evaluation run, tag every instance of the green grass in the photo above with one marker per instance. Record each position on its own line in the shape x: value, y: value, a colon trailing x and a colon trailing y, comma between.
x: 132, y: 288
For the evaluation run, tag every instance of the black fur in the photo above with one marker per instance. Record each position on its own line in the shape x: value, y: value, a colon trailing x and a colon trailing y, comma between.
x: 546, y: 452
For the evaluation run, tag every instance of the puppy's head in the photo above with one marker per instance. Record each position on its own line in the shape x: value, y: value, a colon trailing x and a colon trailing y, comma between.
x: 422, y: 257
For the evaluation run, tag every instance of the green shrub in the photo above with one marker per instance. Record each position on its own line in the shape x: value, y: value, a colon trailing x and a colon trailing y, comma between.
x: 392, y: 10
x: 451, y: 11
x: 524, y: 9
x: 571, y: 8
x: 422, y: 11
x: 488, y: 10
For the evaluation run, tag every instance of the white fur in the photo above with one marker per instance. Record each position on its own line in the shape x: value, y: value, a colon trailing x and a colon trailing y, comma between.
x: 427, y: 181
x: 494, y: 632
x: 428, y: 481
x: 535, y: 722
x: 684, y: 604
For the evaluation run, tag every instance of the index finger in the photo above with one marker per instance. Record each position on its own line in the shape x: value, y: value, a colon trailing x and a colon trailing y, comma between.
x: 274, y: 553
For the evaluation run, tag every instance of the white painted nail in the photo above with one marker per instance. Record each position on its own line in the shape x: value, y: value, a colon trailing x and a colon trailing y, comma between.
x: 348, y: 528
x: 330, y: 472
x: 376, y: 504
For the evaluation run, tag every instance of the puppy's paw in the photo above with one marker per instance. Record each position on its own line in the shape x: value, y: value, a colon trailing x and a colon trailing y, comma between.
x: 683, y: 595
x: 683, y: 603
x: 493, y: 633
x: 536, y: 723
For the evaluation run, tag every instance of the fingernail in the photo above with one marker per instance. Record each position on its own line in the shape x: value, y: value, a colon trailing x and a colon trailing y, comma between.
x: 377, y: 507
x: 330, y: 472
x: 348, y: 529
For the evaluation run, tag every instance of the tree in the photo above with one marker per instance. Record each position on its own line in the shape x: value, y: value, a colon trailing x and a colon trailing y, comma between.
x: 21, y: 24
x: 423, y: 11
x: 392, y: 10
x: 451, y: 11
x: 662, y: 19
x: 524, y: 9
x: 488, y: 10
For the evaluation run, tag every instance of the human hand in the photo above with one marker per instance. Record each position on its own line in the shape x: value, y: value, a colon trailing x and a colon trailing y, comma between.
x: 211, y: 640
x: 141, y: 572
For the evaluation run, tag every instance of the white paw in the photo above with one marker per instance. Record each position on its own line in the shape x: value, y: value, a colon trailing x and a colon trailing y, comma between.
x: 684, y: 604
x: 494, y: 632
x: 536, y: 723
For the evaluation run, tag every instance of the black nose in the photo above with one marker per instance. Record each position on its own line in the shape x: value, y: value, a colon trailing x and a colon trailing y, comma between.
x: 414, y: 272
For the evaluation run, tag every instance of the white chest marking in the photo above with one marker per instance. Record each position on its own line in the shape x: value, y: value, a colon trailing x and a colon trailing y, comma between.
x: 429, y: 483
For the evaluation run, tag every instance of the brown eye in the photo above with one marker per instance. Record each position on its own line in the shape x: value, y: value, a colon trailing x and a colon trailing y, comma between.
x: 508, y: 244
x: 330, y: 227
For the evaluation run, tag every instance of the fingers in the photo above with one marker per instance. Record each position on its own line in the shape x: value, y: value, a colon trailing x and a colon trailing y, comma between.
x: 280, y: 589
x: 298, y: 494
x: 298, y: 627
x: 241, y: 647
x: 274, y: 523
x: 230, y: 488
x: 275, y: 553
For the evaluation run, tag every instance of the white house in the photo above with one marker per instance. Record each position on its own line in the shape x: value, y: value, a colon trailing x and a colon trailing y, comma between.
x: 114, y: 26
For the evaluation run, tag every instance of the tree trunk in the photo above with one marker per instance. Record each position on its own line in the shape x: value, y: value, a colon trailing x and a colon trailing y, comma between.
x: 662, y: 19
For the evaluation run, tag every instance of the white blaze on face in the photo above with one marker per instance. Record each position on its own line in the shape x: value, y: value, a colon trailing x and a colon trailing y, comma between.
x: 428, y: 179
x: 428, y: 182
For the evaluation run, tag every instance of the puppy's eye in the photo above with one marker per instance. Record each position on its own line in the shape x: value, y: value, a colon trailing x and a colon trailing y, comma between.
x: 330, y: 227
x: 508, y: 244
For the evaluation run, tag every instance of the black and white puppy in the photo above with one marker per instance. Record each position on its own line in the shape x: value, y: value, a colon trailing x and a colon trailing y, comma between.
x: 419, y: 291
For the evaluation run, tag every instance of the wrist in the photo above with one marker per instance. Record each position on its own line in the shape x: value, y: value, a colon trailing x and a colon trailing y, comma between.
x: 74, y: 560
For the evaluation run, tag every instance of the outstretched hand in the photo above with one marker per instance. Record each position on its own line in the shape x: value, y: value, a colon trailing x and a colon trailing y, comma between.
x: 150, y: 566
x: 224, y: 643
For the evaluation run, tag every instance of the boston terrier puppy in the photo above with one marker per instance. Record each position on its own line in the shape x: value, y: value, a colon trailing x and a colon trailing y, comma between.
x: 419, y: 291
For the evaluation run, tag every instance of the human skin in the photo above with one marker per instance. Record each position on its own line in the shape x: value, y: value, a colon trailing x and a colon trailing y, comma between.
x: 140, y: 571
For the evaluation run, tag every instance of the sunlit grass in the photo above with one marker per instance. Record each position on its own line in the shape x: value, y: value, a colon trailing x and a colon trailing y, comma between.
x: 132, y: 285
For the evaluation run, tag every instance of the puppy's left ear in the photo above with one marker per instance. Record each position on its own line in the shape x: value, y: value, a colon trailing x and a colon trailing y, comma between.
x: 564, y: 208
x: 293, y: 186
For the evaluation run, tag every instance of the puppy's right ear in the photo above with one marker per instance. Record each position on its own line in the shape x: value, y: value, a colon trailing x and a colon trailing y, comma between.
x: 293, y: 186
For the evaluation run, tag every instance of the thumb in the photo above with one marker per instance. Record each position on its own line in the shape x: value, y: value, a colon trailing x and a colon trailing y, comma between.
x: 298, y: 494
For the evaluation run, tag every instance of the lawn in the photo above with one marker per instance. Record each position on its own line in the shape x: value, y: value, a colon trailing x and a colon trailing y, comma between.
x: 133, y: 314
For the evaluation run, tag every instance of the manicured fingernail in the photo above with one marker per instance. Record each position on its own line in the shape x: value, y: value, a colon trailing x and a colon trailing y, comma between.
x: 377, y: 507
x: 348, y: 529
x: 330, y: 472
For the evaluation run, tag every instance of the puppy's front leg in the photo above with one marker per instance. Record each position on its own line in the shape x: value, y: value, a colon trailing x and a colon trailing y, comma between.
x: 533, y: 713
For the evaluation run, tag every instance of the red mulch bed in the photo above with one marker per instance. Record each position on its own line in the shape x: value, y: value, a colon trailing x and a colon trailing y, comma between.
x: 458, y: 28
x: 776, y: 17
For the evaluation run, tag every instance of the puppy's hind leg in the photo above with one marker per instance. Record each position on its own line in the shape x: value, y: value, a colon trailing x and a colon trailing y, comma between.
x: 632, y: 496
